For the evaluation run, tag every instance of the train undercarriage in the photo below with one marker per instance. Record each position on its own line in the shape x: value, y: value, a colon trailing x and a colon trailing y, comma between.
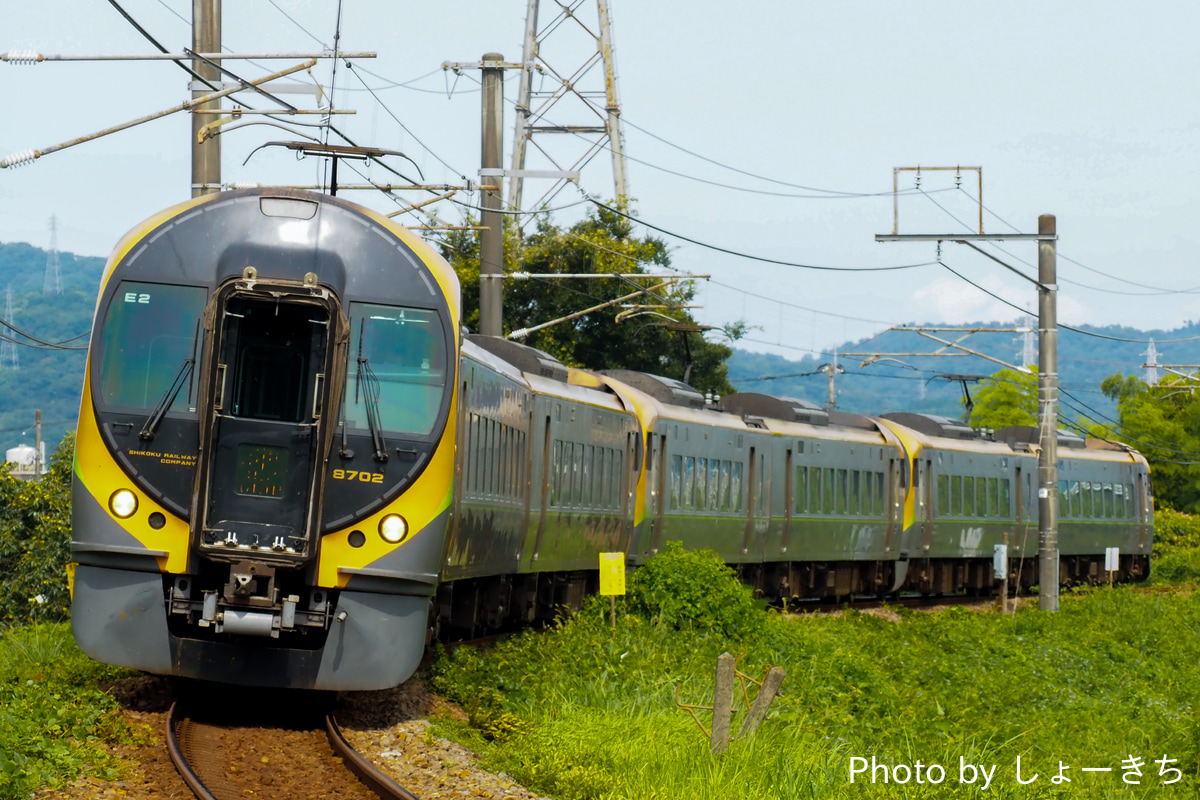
x: 481, y: 606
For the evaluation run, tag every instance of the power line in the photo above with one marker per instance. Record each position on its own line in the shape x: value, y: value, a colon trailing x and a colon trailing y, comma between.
x: 838, y: 192
x: 1093, y: 269
x: 763, y: 259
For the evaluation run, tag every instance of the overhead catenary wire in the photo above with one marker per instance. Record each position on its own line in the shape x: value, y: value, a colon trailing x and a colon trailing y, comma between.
x: 763, y: 259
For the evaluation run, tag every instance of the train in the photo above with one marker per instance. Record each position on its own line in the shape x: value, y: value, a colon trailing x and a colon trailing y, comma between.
x: 295, y: 469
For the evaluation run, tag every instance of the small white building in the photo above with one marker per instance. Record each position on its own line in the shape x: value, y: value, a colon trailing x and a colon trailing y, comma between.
x: 24, y: 462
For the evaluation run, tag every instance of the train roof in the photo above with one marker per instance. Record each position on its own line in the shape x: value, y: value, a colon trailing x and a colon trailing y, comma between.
x: 523, y: 357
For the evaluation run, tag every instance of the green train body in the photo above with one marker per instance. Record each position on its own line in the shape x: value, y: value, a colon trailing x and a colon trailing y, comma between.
x: 294, y: 470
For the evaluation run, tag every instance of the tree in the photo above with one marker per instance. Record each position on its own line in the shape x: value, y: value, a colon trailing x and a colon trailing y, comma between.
x: 659, y: 338
x: 1009, y: 397
x: 35, y: 541
x: 1163, y: 423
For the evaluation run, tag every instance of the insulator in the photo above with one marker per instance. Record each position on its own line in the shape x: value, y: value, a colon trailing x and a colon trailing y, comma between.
x: 25, y: 57
x: 242, y: 185
x: 19, y: 159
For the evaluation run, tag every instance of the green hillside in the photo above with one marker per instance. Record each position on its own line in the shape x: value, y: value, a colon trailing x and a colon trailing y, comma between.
x: 49, y: 379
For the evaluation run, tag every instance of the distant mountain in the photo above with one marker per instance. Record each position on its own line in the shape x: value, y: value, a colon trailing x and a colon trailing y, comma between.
x: 45, y: 378
x: 923, y: 386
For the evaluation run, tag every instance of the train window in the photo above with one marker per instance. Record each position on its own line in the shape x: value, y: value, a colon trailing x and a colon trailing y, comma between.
x: 943, y: 495
x: 968, y: 497
x: 1076, y: 502
x: 585, y: 475
x: 800, y: 491
x: 855, y: 491
x: 956, y: 499
x: 735, y: 485
x: 993, y: 486
x: 568, y: 473
x: 724, y: 486
x: 577, y: 477
x: 555, y: 473
x: 1129, y: 512
x: 760, y: 488
x: 714, y: 485
x: 1109, y: 513
x: 689, y: 481
x: 814, y: 502
x: 1064, y: 499
x: 879, y: 510
x: 403, y: 351
x: 676, y: 470
x: 701, y: 484
x: 1005, y: 502
x: 1119, y: 500
x: 150, y: 332
x: 827, y: 491
x: 1085, y: 492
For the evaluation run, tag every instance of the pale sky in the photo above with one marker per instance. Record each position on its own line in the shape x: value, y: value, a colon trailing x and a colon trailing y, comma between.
x: 1083, y: 110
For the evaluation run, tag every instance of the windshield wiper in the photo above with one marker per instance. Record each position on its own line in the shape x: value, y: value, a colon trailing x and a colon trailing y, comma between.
x: 168, y: 397
x: 366, y: 381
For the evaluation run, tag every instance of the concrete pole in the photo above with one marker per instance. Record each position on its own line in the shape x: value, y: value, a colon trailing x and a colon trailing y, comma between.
x: 206, y: 38
x: 1047, y: 417
x: 491, y: 238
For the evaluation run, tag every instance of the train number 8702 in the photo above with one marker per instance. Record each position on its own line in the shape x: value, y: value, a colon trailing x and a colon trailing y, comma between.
x: 350, y: 475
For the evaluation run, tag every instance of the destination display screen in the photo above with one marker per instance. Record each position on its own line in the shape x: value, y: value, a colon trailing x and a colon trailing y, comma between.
x: 261, y: 470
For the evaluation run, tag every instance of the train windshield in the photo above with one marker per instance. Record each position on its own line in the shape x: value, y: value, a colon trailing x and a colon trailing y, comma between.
x: 149, y: 332
x: 397, y: 369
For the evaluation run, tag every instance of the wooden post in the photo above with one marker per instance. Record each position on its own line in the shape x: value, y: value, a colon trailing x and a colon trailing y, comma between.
x: 722, y: 704
x: 766, y: 693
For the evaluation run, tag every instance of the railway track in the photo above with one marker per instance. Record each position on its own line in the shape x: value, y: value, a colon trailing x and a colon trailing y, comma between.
x: 284, y: 752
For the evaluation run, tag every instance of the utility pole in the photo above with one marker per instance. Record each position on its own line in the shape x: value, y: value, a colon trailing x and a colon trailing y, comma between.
x: 1047, y: 414
x: 206, y: 155
x: 1046, y: 283
x: 491, y: 238
x: 832, y: 370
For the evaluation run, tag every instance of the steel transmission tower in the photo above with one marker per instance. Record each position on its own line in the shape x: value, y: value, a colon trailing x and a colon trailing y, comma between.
x: 52, y: 283
x: 1151, y: 364
x: 8, y: 348
x: 566, y: 103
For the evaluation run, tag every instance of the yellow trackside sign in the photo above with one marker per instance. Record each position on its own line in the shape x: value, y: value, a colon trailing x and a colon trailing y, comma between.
x: 612, y: 573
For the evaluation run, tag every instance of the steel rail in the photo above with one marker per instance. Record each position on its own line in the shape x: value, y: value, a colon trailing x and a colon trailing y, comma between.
x: 179, y: 758
x: 364, y: 770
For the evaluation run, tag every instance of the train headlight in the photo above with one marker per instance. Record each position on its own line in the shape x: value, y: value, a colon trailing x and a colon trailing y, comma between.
x: 393, y: 528
x: 123, y: 503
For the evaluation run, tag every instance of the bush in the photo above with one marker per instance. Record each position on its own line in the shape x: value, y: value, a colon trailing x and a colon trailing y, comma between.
x: 694, y: 589
x: 1175, y: 530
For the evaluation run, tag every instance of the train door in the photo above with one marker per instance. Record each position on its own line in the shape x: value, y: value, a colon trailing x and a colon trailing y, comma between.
x: 758, y: 516
x: 549, y: 481
x: 789, y: 500
x: 261, y: 459
x: 925, y: 507
x: 1144, y: 508
x: 660, y: 495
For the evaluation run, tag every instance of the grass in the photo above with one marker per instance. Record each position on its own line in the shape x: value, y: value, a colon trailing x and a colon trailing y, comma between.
x: 53, y: 720
x: 583, y: 712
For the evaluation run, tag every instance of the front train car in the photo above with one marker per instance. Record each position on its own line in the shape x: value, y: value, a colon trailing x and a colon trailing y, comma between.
x: 265, y: 451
